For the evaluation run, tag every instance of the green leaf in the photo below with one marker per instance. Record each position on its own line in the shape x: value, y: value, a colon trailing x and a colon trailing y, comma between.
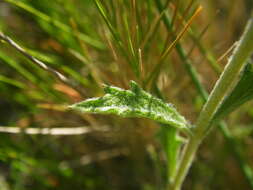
x: 171, y: 142
x: 242, y: 92
x: 132, y: 103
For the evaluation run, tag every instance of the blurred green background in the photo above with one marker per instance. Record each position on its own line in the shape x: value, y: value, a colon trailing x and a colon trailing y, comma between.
x: 125, y: 43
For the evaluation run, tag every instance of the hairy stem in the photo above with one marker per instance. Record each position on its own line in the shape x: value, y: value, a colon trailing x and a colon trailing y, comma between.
x: 233, y: 145
x: 223, y: 85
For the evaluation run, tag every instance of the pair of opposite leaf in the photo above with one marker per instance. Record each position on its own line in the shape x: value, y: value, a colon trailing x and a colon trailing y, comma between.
x: 138, y: 103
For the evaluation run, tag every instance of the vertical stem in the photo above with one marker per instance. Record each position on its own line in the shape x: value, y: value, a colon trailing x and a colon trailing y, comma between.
x: 222, y: 86
x: 233, y: 145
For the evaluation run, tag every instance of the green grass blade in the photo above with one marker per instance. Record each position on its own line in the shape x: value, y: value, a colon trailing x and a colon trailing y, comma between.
x: 11, y: 81
x: 108, y: 22
x: 134, y: 63
x: 56, y: 23
x: 14, y: 64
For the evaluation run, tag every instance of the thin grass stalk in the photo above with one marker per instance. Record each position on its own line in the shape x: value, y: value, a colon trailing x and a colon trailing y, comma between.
x: 181, y: 52
x: 56, y: 23
x: 117, y: 37
x: 39, y: 63
x: 196, y: 39
x: 158, y: 66
x: 173, y: 20
x: 33, y: 59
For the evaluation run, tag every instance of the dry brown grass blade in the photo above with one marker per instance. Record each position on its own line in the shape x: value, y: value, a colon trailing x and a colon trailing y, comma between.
x: 152, y: 30
x: 175, y: 13
x: 172, y: 45
x: 229, y: 50
x: 180, y: 35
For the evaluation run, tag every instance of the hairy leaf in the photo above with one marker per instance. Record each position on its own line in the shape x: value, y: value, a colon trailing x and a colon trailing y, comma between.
x: 242, y: 92
x: 132, y: 103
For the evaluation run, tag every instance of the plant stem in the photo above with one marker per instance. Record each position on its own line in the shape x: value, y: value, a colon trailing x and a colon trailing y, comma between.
x: 233, y: 145
x: 222, y: 86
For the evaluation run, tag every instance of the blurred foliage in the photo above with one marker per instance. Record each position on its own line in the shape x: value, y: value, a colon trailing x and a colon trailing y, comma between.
x: 94, y: 42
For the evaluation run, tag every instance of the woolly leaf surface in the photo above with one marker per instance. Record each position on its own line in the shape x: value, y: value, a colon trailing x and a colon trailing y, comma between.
x: 132, y: 103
